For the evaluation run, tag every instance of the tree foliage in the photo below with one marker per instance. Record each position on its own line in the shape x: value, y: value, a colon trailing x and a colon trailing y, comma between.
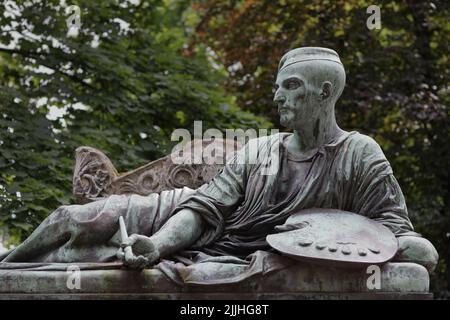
x: 122, y: 86
x: 139, y: 69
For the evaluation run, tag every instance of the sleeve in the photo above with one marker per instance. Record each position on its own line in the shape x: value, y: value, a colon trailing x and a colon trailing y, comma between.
x: 215, y: 200
x: 378, y: 194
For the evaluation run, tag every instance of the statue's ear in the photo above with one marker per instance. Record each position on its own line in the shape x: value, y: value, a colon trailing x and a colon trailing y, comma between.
x: 326, y: 90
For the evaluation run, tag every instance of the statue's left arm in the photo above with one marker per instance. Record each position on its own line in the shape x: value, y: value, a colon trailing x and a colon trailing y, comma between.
x: 385, y: 203
x: 378, y: 194
x: 379, y: 197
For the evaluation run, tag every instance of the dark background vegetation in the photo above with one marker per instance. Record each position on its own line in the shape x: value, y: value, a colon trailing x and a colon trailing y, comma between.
x: 215, y: 61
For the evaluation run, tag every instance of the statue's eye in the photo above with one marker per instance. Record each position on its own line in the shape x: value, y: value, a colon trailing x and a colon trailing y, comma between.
x: 292, y: 84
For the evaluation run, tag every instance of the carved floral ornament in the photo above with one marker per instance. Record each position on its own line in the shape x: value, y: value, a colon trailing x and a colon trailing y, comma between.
x: 95, y: 176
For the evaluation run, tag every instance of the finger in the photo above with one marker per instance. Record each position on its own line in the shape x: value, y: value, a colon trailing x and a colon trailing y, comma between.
x: 288, y: 227
x: 125, y: 243
x: 152, y: 259
x: 130, y: 241
x: 138, y: 263
x: 129, y: 262
x: 129, y: 256
x: 120, y: 254
x: 141, y: 262
x: 282, y: 228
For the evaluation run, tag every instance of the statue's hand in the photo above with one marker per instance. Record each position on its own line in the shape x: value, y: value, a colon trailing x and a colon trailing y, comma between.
x: 143, y: 253
x: 291, y: 226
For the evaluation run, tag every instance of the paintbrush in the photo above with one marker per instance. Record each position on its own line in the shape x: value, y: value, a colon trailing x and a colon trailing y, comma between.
x: 124, y: 235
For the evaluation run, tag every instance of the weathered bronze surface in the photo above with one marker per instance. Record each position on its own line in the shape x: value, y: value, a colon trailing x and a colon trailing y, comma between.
x: 214, y: 232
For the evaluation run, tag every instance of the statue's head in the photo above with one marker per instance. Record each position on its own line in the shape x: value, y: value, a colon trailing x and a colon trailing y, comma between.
x: 309, y: 82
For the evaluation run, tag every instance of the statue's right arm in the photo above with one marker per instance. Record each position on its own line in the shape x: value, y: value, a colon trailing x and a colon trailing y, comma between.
x: 198, y: 220
x: 178, y: 233
x: 216, y: 200
x: 195, y: 222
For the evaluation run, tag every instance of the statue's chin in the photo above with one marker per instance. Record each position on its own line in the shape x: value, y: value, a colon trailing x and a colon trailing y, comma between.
x: 286, y: 121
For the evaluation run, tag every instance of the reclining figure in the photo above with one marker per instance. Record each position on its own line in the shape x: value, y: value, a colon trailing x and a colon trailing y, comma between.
x: 227, y: 220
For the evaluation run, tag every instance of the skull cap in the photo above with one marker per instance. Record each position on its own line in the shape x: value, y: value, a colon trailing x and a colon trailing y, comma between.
x: 308, y: 54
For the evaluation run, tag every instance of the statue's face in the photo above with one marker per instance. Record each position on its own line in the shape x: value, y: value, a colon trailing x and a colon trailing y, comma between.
x: 295, y: 96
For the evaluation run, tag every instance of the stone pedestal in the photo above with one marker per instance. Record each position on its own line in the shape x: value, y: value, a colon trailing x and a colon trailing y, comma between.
x: 302, y: 281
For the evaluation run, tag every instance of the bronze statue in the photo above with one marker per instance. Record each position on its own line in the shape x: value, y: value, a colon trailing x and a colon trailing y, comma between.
x: 227, y: 220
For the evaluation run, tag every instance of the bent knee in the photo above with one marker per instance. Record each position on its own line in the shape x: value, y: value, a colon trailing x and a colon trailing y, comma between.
x: 418, y: 250
x: 60, y: 214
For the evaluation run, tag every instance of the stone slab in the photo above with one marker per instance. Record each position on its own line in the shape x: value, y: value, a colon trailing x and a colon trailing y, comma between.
x: 302, y: 281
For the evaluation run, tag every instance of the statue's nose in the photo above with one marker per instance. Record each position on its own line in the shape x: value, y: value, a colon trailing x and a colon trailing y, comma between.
x: 279, y: 98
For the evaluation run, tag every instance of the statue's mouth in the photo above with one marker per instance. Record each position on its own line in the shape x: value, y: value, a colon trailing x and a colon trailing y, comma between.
x: 284, y: 110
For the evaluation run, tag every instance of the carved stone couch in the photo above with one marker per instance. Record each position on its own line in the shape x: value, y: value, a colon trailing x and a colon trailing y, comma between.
x: 95, y: 177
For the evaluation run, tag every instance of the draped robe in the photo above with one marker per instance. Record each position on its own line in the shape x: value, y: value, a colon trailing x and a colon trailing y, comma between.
x: 237, y: 208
